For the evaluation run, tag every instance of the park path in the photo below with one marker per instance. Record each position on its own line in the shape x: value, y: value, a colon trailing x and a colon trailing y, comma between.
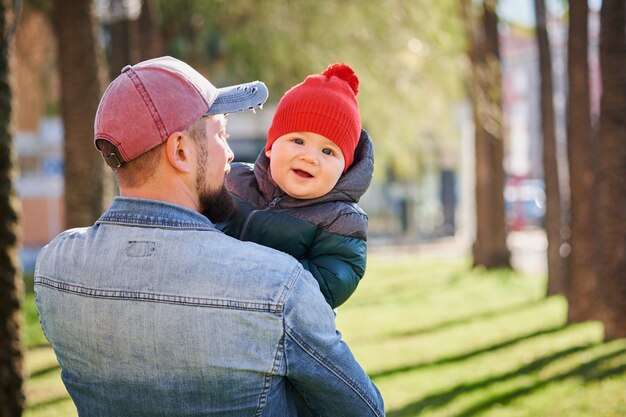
x: 528, y: 249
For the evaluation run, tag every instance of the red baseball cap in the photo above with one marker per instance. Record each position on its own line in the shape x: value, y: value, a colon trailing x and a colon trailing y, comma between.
x: 149, y: 101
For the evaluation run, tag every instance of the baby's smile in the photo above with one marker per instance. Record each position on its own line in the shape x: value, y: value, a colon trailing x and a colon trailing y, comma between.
x: 302, y: 174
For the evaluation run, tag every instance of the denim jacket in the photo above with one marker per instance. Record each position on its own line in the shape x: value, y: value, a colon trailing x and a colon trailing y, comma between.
x: 154, y: 312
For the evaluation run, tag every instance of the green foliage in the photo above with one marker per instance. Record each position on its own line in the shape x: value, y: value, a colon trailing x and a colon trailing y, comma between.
x: 408, y: 56
x: 442, y: 340
x: 32, y: 334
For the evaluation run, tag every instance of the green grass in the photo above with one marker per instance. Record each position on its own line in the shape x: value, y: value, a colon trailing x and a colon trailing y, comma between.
x: 45, y: 393
x: 441, y: 340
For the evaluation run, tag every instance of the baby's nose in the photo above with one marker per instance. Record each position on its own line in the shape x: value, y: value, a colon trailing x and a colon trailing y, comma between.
x: 309, y: 157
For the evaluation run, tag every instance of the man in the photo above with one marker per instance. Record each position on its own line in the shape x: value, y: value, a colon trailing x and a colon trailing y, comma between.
x: 154, y: 312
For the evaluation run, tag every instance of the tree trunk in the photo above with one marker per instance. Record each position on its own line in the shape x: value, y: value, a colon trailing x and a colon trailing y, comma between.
x: 489, y: 248
x: 134, y: 36
x: 150, y: 39
x: 124, y: 46
x: 582, y: 289
x: 83, y: 76
x: 553, y: 220
x: 612, y: 169
x: 12, y: 400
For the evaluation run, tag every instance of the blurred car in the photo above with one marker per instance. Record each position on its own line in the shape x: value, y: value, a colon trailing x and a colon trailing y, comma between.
x: 525, y: 203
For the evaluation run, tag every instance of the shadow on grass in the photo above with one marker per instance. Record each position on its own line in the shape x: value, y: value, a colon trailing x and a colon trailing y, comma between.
x: 468, y: 355
x: 38, y: 344
x: 460, y: 321
x: 443, y: 398
x: 49, y: 402
x: 45, y: 371
x: 589, y: 371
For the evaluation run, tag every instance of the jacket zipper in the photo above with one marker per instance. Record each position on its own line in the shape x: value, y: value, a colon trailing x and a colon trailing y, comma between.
x: 246, y: 223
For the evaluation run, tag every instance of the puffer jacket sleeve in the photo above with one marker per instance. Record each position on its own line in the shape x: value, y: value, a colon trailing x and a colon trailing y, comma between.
x: 337, y: 263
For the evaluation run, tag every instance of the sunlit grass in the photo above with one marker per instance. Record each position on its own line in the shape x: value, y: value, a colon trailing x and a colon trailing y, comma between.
x: 45, y: 393
x: 442, y: 340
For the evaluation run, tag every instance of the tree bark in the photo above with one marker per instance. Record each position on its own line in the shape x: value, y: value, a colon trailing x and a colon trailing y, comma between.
x: 489, y: 248
x: 612, y: 169
x: 124, y: 48
x: 124, y: 45
x: 83, y: 77
x: 553, y: 218
x: 150, y: 39
x: 134, y: 37
x: 12, y: 401
x: 582, y: 292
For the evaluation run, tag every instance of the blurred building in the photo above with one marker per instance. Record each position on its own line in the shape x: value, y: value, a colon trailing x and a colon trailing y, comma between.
x: 40, y: 184
x: 524, y: 191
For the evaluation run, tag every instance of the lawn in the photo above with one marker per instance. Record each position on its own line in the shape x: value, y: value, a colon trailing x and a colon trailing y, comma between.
x: 441, y: 340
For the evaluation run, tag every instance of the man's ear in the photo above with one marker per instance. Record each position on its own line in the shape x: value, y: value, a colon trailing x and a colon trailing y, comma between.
x: 268, y: 152
x: 179, y: 150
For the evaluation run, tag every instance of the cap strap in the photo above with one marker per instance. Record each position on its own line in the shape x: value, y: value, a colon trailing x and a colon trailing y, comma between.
x: 112, y: 160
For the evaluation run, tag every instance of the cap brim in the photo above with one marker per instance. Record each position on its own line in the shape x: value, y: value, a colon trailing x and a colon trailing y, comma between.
x: 239, y: 98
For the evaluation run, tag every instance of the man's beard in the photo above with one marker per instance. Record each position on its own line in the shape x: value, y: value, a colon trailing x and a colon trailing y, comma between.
x: 218, y: 205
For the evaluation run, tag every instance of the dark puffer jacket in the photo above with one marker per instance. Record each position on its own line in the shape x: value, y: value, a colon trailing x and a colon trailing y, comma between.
x: 327, y: 234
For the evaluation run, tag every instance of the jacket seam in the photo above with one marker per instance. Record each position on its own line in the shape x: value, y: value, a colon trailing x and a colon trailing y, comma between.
x: 288, y: 287
x: 330, y: 367
x: 155, y: 224
x: 144, y: 296
x: 267, y: 383
x: 278, y: 355
x: 360, y: 233
x: 267, y: 380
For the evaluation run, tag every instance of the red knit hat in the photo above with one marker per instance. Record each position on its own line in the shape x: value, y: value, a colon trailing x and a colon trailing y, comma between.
x: 324, y: 104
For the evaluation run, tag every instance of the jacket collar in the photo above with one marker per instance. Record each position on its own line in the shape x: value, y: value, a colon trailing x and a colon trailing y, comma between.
x: 145, y: 212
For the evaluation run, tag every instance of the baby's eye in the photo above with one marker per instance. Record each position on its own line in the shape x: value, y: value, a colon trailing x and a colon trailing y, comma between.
x: 298, y: 141
x: 327, y: 151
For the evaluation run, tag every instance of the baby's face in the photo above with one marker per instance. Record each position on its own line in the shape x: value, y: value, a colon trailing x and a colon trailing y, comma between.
x: 305, y: 165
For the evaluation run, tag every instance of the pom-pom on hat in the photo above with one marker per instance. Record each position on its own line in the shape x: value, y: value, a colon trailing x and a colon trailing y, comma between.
x: 324, y: 104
